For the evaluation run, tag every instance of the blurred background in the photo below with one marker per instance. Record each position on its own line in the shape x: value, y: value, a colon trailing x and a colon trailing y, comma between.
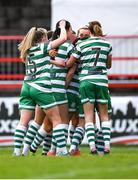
x: 120, y: 24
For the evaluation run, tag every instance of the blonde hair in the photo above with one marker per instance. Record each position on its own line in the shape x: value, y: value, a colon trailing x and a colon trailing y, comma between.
x: 32, y: 37
x: 96, y: 28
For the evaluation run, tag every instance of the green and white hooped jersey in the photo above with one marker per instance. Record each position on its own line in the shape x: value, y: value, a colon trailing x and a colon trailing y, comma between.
x: 74, y: 84
x: 38, y: 68
x: 92, y: 53
x: 58, y: 74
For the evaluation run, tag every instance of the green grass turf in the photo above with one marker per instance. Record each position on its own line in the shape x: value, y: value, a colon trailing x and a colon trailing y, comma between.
x: 122, y: 163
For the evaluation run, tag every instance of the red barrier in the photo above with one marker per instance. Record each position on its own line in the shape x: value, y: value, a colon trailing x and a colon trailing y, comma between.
x: 11, y: 43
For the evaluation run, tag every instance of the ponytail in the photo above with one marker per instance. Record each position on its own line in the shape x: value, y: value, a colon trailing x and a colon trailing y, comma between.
x: 27, y: 43
x: 34, y: 36
x: 56, y: 34
x: 95, y: 28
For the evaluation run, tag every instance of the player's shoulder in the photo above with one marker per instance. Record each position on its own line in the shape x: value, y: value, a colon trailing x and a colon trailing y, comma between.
x: 105, y: 40
x: 81, y: 42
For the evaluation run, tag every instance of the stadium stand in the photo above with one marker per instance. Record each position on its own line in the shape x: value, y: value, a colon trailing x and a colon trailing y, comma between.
x: 17, y: 17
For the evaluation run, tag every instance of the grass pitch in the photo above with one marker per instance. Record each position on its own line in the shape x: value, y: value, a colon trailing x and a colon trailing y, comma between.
x: 122, y: 163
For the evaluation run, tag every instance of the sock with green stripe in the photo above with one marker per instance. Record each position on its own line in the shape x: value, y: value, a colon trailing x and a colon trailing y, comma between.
x: 100, y: 142
x: 41, y: 134
x: 47, y: 143
x: 71, y: 132
x: 96, y: 129
x: 30, y: 135
x: 18, y: 139
x: 77, y: 138
x: 53, y: 146
x: 90, y: 132
x: 59, y: 136
x: 54, y: 143
x: 65, y: 128
x: 106, y: 134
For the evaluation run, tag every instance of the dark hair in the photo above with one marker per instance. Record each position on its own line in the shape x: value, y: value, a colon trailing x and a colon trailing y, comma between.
x: 56, y: 33
x: 38, y: 36
x: 73, y: 32
x: 49, y: 34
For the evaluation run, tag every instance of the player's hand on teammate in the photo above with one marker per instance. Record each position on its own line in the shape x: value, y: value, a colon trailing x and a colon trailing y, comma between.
x: 52, y: 53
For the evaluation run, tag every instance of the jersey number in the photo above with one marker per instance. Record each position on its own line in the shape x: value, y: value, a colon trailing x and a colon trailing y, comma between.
x: 97, y: 52
x: 33, y: 66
